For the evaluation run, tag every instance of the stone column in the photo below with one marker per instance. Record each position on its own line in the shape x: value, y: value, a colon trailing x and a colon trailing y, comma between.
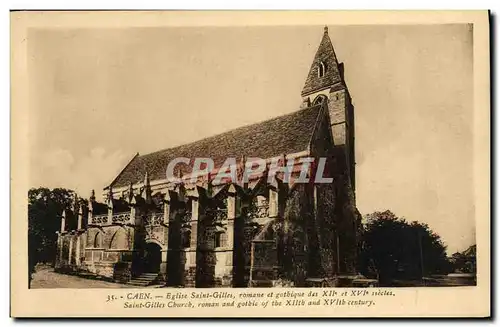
x: 132, y: 214
x: 70, y: 250
x: 164, y: 251
x: 163, y: 265
x: 80, y: 218
x: 166, y: 209
x: 91, y: 204
x: 60, y: 236
x: 227, y: 278
x: 276, y: 212
x: 77, y: 250
x: 109, y: 203
x: 131, y: 230
x: 110, y: 213
x: 60, y: 244
x: 190, y: 267
x: 63, y: 221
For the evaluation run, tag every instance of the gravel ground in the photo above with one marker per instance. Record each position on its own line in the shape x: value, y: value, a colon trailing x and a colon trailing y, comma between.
x: 47, y: 278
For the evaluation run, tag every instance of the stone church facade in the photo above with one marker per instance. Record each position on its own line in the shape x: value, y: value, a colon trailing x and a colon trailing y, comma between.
x: 255, y: 233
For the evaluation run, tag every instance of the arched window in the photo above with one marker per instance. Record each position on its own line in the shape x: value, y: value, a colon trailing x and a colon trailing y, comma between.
x: 220, y: 239
x: 119, y: 240
x: 322, y: 69
x: 98, y: 240
x: 319, y: 99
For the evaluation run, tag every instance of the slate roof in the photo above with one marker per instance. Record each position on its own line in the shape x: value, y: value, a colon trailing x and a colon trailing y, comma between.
x: 325, y: 54
x: 286, y: 134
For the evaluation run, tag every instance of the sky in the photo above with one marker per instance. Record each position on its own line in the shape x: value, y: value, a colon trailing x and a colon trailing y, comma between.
x: 99, y: 96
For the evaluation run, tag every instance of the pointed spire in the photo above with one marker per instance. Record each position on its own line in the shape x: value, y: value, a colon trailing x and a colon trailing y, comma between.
x: 147, y: 189
x: 63, y: 221
x: 92, y: 196
x: 209, y: 184
x: 324, y: 71
x: 76, y: 207
x: 241, y: 174
x: 110, y: 195
x: 130, y: 192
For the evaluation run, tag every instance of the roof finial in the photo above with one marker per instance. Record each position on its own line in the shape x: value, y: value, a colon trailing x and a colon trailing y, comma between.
x: 326, y: 29
x: 76, y: 203
x: 147, y: 189
x: 130, y: 194
x: 109, y: 196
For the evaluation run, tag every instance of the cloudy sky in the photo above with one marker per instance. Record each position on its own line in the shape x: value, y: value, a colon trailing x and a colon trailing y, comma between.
x: 98, y: 96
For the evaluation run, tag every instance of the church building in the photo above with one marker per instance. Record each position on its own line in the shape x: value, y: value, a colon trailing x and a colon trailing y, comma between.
x: 260, y: 232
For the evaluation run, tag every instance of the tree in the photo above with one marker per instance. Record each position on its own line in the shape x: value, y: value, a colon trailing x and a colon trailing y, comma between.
x: 44, y: 220
x: 465, y: 261
x: 397, y: 249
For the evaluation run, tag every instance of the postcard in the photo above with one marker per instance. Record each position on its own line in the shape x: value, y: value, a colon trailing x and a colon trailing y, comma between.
x: 250, y: 164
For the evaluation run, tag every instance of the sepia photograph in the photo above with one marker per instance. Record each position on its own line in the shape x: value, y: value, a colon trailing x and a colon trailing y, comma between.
x: 304, y: 157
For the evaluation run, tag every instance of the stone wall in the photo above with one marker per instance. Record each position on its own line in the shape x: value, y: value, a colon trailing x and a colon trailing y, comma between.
x: 108, y: 251
x: 224, y: 269
x: 264, y: 263
x: 335, y: 205
x: 299, y: 244
x: 297, y: 241
x: 71, y: 249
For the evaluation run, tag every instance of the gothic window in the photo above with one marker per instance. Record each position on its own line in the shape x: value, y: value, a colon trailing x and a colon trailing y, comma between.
x: 119, y: 240
x: 98, y: 240
x: 259, y: 207
x: 186, y: 239
x: 220, y: 239
x: 321, y: 69
x: 273, y: 203
x: 217, y: 210
x: 319, y: 99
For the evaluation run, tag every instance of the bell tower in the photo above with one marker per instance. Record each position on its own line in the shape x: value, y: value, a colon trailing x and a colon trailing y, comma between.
x: 325, y: 82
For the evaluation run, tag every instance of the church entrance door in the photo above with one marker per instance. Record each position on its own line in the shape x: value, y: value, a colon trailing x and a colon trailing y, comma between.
x: 152, y: 258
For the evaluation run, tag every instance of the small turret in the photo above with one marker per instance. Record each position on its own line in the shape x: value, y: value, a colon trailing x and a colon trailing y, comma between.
x: 130, y: 194
x: 325, y: 84
x: 147, y: 189
x: 76, y: 204
x: 109, y: 197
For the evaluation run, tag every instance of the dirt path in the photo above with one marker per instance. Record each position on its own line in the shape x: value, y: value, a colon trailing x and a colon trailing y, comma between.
x: 47, y: 278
